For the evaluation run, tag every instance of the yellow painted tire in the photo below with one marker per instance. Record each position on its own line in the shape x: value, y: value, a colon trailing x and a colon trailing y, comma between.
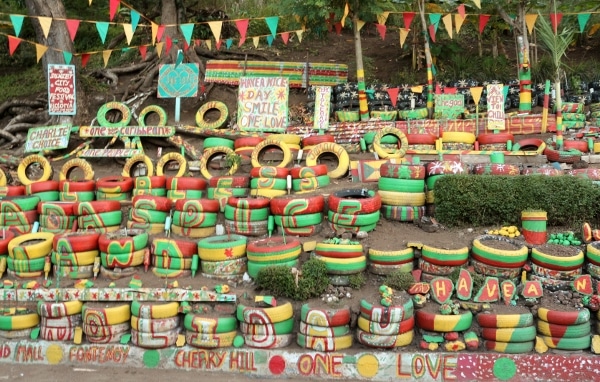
x: 162, y: 115
x: 289, y: 139
x: 154, y: 310
x: 84, y: 165
x: 18, y: 251
x: 168, y: 157
x: 381, y: 151
x: 193, y: 232
x: 223, y: 247
x: 220, y: 106
x: 50, y: 309
x: 330, y: 148
x: 74, y: 258
x: 267, y: 193
x: 104, y: 109
x: 458, y: 137
x: 29, y: 160
x: 264, y: 316
x: 138, y: 158
x: 3, y: 178
x: 10, y: 320
x: 152, y: 325
x: 324, y: 344
x: 209, y: 153
x: 287, y: 154
x: 392, y: 198
x: 96, y: 316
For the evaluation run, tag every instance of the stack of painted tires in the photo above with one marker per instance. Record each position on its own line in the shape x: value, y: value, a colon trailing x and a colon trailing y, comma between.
x: 195, y: 217
x: 385, y: 262
x: 266, y: 328
x: 154, y: 325
x: 452, y: 140
x: 245, y: 145
x: 59, y: 319
x: 309, y: 179
x: 354, y: 210
x: 328, y: 149
x: 101, y: 215
x: 505, y: 263
x: 511, y: 333
x: 431, y: 322
x: 56, y: 217
x: 592, y: 255
x: 28, y: 254
x: 556, y: 271
x: 385, y: 327
x: 268, y: 181
x: 421, y: 141
x: 324, y: 330
x: 223, y: 257
x: 564, y: 330
x: 150, y: 185
x: 19, y: 213
x: 121, y: 252
x: 435, y: 262
x: 5, y: 238
x: 185, y: 188
x: 311, y: 141
x: 402, y: 191
x: 209, y: 332
x: 297, y: 215
x: 106, y: 323
x: 17, y: 322
x: 74, y: 254
x: 77, y: 191
x: 114, y: 187
x: 502, y: 169
x: 174, y: 257
x: 495, y: 142
x: 47, y: 190
x: 247, y: 216
x: 222, y: 187
x: 149, y: 213
x: 342, y: 258
x: 273, y: 251
x: 573, y: 115
x: 436, y: 170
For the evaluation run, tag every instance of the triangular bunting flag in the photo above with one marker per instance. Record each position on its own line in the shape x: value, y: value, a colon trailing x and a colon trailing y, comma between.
x: 382, y: 18
x: 338, y: 29
x: 17, y: 22
x: 208, y: 44
x: 299, y: 34
x: 187, y: 30
x: 112, y: 8
x: 403, y: 35
x: 169, y: 44
x: 438, y: 89
x: 13, y: 43
x: 431, y: 29
x: 106, y: 56
x: 84, y: 59
x: 218, y: 44
x: 530, y: 21
x: 72, y: 27
x: 434, y: 19
x: 255, y: 41
x: 272, y: 22
x: 476, y: 93
x: 461, y: 11
x: 159, y: 48
x: 242, y: 27
x: 346, y: 11
x: 360, y: 24
x: 582, y: 18
x: 285, y: 36
x: 229, y: 41
x: 68, y: 56
x: 154, y: 27
x: 39, y: 51
x: 555, y: 20
x: 128, y: 29
x: 449, y: 90
x: 102, y: 28
x: 458, y: 22
x: 179, y: 58
x: 408, y: 18
x: 186, y: 46
x: 270, y: 40
x: 45, y: 23
x: 483, y: 19
x: 477, y: 3
x: 143, y: 50
x: 160, y: 32
x: 393, y: 93
x: 448, y: 24
x: 135, y: 19
x: 381, y: 28
x: 215, y: 28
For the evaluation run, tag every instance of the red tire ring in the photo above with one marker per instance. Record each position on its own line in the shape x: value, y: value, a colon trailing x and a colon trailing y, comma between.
x: 96, y: 207
x: 249, y: 203
x: 308, y: 171
x: 273, y: 244
x: 402, y: 171
x: 247, y: 142
x: 123, y: 241
x: 229, y: 182
x: 114, y: 184
x: 564, y: 317
x: 179, y: 248
x: 421, y: 139
x: 197, y: 205
x: 316, y: 139
x: 354, y: 201
x: 269, y: 172
x: 42, y: 186
x: 149, y: 182
x: 291, y: 205
x: 490, y: 139
x: 149, y: 202
x: 56, y: 208
x: 6, y: 237
x: 75, y: 242
x: 577, y: 145
x: 496, y: 169
x: 77, y: 186
x: 11, y: 191
x: 186, y: 183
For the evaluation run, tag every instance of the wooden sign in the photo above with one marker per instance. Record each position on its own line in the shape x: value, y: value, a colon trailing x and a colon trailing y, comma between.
x: 322, y: 107
x: 126, y: 131
x: 495, y: 102
x: 110, y: 153
x: 61, y: 90
x: 449, y: 106
x: 263, y: 104
x: 47, y: 138
x: 175, y: 81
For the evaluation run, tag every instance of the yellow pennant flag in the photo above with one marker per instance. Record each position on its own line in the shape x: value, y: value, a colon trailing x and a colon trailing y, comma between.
x: 128, y: 29
x: 39, y: 51
x: 299, y: 35
x: 154, y: 31
x: 159, y: 48
x: 346, y: 11
x: 45, y: 23
x: 477, y: 3
x: 382, y: 18
x: 360, y: 24
x: 530, y: 21
x: 106, y: 55
x: 255, y: 41
x: 403, y: 35
x: 417, y: 89
x: 476, y: 93
x: 208, y: 44
x: 448, y: 23
x: 458, y: 22
x: 215, y: 27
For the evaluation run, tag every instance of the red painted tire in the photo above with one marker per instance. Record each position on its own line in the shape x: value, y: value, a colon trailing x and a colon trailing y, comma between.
x: 316, y: 139
x: 5, y: 238
x: 76, y: 186
x: 546, y: 170
x: 9, y: 219
x: 248, y: 203
x: 114, y: 184
x: 179, y: 248
x: 445, y: 167
x: 490, y: 139
x: 291, y: 205
x: 269, y: 172
x: 56, y: 208
x: 577, y: 145
x: 185, y: 183
x: 43, y: 186
x: 496, y: 169
x: 272, y: 245
x: 149, y: 182
x: 559, y: 317
x: 402, y: 171
x: 75, y: 242
x: 128, y: 241
x: 12, y: 191
x: 421, y: 139
x: 354, y: 201
x: 197, y: 205
x: 149, y: 202
x: 247, y: 142
x: 229, y: 182
x: 586, y: 173
x: 308, y: 171
x: 96, y: 207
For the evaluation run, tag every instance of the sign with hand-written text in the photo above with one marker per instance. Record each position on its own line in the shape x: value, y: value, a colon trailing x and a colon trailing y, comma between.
x: 449, y: 106
x: 322, y: 106
x: 263, y: 104
x: 176, y: 81
x: 47, y: 138
x: 61, y: 90
x: 125, y: 131
x: 495, y: 107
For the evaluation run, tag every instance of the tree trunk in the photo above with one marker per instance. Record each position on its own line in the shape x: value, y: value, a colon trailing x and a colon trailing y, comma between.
x: 428, y: 59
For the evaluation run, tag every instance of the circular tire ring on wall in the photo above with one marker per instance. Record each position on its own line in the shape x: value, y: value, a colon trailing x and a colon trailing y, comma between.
x: 72, y: 164
x: 136, y: 160
x: 162, y: 115
x: 330, y: 148
x: 207, y: 155
x: 220, y: 106
x: 262, y: 146
x: 171, y: 157
x: 44, y: 163
x: 396, y: 153
x: 104, y: 109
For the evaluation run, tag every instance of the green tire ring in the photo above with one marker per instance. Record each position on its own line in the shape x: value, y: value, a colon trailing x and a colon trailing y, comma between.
x: 348, y: 266
x: 151, y: 191
x: 311, y: 184
x: 592, y: 252
x: 402, y: 255
x: 324, y: 344
x: 246, y: 214
x: 497, y: 257
x: 122, y: 241
x: 275, y: 259
x: 104, y: 109
x: 222, y: 242
x: 386, y: 139
x: 211, y: 142
x: 283, y: 327
x: 198, y: 323
x: 102, y: 219
x: 79, y: 196
x: 443, y: 323
x: 339, y: 250
x: 351, y: 228
x: 268, y: 183
x: 563, y: 331
x: 174, y: 263
x: 323, y: 331
x: 354, y: 220
x: 402, y: 213
x: 445, y: 257
x: 298, y: 221
x: 162, y: 115
x: 401, y: 185
x: 509, y: 347
x: 48, y: 196
x: 557, y: 262
x: 379, y: 313
x: 580, y: 343
x: 147, y: 216
x: 431, y: 180
x: 195, y: 219
x: 101, y: 195
x: 19, y: 203
x: 524, y: 334
x: 185, y: 194
x: 20, y: 266
x: 121, y: 260
x: 254, y: 267
x: 220, y: 192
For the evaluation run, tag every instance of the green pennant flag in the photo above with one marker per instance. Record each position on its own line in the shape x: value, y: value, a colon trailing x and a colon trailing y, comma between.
x: 228, y: 43
x: 17, y: 22
x: 505, y: 92
x: 434, y: 19
x: 102, y: 28
x: 272, y: 22
x: 187, y: 30
x: 583, y: 18
x: 135, y: 19
x: 270, y: 40
x: 67, y: 56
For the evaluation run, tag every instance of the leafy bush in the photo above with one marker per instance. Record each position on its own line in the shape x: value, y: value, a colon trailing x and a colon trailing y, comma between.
x: 399, y: 281
x: 280, y: 281
x: 357, y: 280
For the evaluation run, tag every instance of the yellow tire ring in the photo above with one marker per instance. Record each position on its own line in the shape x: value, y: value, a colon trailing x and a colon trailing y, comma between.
x: 324, y: 344
x: 3, y: 179
x: 154, y: 310
x: 162, y: 115
x: 290, y: 139
x: 137, y: 159
x: 210, y: 341
x: 330, y: 148
x: 84, y: 165
x: 220, y: 106
x: 392, y: 198
x: 41, y: 247
x: 170, y: 157
x: 264, y: 316
x: 267, y: 193
x: 435, y: 322
x: 193, y: 232
x: 98, y: 316
x: 153, y: 325
x: 287, y: 154
x: 29, y: 160
x: 50, y: 309
x: 14, y: 319
x: 386, y: 342
x: 211, y: 152
x: 223, y: 247
x: 382, y: 152
x: 74, y: 258
x: 458, y: 137
x: 104, y: 109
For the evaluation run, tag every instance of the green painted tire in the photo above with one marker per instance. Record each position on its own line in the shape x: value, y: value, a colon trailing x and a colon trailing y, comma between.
x: 198, y: 323
x: 351, y: 228
x: 434, y: 322
x: 324, y: 344
x: 499, y: 257
x: 339, y: 250
x: 23, y: 266
x: 559, y: 263
x: 523, y: 334
x: 268, y: 183
x: 147, y: 216
x: 246, y: 214
x: 401, y: 185
x: 222, y: 247
x: 445, y: 257
x: 402, y: 213
x: 509, y: 347
x: 391, y: 257
x: 162, y: 115
x: 102, y: 219
x: 12, y: 319
x: 310, y: 184
x: 323, y: 331
x: 353, y: 220
x: 564, y: 331
x: 298, y: 221
x: 194, y: 220
x: 283, y: 327
x: 101, y: 195
x: 393, y: 198
x: 580, y: 343
x: 491, y: 320
x: 104, y: 109
x: 345, y: 266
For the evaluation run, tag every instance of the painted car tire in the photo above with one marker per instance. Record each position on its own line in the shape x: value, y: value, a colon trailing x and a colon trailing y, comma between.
x: 23, y: 267
x: 193, y: 232
x: 153, y: 340
x: 496, y: 169
x: 339, y: 250
x: 378, y: 313
x: 345, y: 266
x: 291, y: 205
x: 172, y: 157
x: 229, y: 182
x: 559, y: 263
x: 267, y: 192
x: 580, y: 343
x: 458, y: 137
x: 253, y: 228
x: 509, y: 347
x: 123, y: 241
x: 51, y: 309
x: 522, y: 334
x: 171, y: 263
x: 443, y: 323
x: 445, y: 257
x: 313, y: 140
x: 308, y: 171
x: 197, y: 206
x: 492, y: 320
x: 401, y: 185
x: 194, y: 219
x: 497, y: 257
x: 330, y: 148
x: 162, y: 115
x: 445, y: 167
x: 12, y: 319
x: 77, y: 187
x: 218, y: 123
x: 268, y: 184
x: 104, y: 109
x: 137, y: 159
x: 247, y: 142
x: 44, y: 163
x: 526, y: 144
x: 392, y: 257
x: 384, y: 342
x: 211, y: 152
x: 254, y: 267
x: 210, y: 341
x: 42, y: 246
x: 563, y: 331
x: 412, y: 199
x: 105, y: 221
x: 223, y: 247
x: 306, y: 185
x: 78, y: 259
x: 114, y: 184
x: 298, y: 221
x: 248, y: 203
x: 149, y: 182
x: 82, y: 164
x: 302, y: 232
x: 179, y: 248
x: 402, y: 171
x: 325, y: 317
x: 245, y: 214
x: 147, y: 216
x: 264, y: 316
x: 148, y: 202
x: 185, y: 183
x: 278, y: 328
x: 269, y: 172
x: 123, y: 260
x: 274, y: 259
x: 112, y: 315
x: 264, y: 145
x: 154, y: 310
x: 383, y: 154
x: 386, y: 329
x: 273, y: 246
x: 324, y: 344
x: 199, y: 323
x: 402, y: 213
x: 564, y: 317
x: 323, y: 331
x: 354, y: 201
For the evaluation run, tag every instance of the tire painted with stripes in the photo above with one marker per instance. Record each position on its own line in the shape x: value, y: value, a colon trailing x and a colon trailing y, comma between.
x: 509, y: 347
x: 269, y: 143
x: 354, y: 201
x: 445, y: 257
x: 386, y: 329
x: 254, y: 267
x: 329, y: 317
x: 402, y: 213
x: 492, y: 320
x: 384, y: 342
x: 308, y: 171
x: 563, y: 331
x: 342, y: 251
x: 330, y: 148
x: 199, y: 323
x: 574, y: 317
x: 523, y: 334
x: 392, y: 257
x: 499, y: 257
x: 223, y: 247
x: 443, y: 323
x: 496, y: 169
x: 208, y: 154
x: 291, y: 205
x: 343, y: 266
x: 353, y: 220
x: 402, y: 171
x: 324, y: 344
x: 559, y: 263
x: 264, y: 316
x: 396, y: 153
x: 382, y: 314
x: 563, y: 343
x: 269, y: 172
x: 411, y: 199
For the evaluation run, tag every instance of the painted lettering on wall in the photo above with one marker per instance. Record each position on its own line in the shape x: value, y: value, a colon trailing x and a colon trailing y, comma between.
x: 262, y: 103
x: 99, y: 354
x: 28, y: 353
x: 429, y: 366
x: 320, y: 365
x: 200, y: 359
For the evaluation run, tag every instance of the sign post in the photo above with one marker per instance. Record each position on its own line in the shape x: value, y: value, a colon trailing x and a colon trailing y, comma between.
x: 61, y: 90
x: 176, y: 81
x: 263, y: 104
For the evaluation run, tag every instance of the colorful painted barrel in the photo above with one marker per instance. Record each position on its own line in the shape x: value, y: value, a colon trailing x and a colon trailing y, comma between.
x: 534, y: 226
x: 497, y: 157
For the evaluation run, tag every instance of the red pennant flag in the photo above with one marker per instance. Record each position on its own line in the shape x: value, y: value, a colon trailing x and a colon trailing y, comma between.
x: 483, y: 19
x: 185, y: 46
x: 168, y: 44
x: 218, y: 44
x: 285, y: 36
x: 113, y: 5
x: 408, y: 18
x: 555, y: 20
x: 461, y: 11
x: 159, y: 32
x: 448, y: 90
x: 242, y: 27
x: 432, y: 32
x: 338, y: 28
x: 381, y: 28
x: 197, y: 42
x: 438, y: 89
x: 393, y: 93
x: 13, y: 43
x: 143, y: 50
x: 72, y: 26
x: 84, y: 59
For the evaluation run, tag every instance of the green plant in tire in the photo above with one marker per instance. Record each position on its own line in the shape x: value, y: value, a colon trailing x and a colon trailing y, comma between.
x: 398, y: 280
x: 357, y: 280
x: 280, y: 281
x: 232, y: 160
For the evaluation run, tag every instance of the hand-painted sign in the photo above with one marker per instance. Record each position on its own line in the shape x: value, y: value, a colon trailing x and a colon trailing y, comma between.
x: 449, y: 106
x: 176, y: 81
x: 322, y: 105
x: 495, y: 101
x: 47, y: 138
x: 61, y: 90
x: 125, y: 131
x: 111, y: 153
x: 263, y: 104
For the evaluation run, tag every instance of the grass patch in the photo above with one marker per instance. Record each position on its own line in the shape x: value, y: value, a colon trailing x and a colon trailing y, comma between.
x: 23, y: 83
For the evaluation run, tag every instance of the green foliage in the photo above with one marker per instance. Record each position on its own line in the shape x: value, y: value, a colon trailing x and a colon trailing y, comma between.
x: 280, y: 281
x: 399, y: 281
x: 314, y: 280
x: 26, y: 82
x: 357, y: 280
x: 487, y: 200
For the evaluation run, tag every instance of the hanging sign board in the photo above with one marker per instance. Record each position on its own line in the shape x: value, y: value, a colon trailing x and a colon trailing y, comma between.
x: 495, y: 103
x: 61, y: 90
x: 263, y: 104
x: 176, y: 81
x: 322, y: 106
x: 47, y: 138
x: 449, y: 106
